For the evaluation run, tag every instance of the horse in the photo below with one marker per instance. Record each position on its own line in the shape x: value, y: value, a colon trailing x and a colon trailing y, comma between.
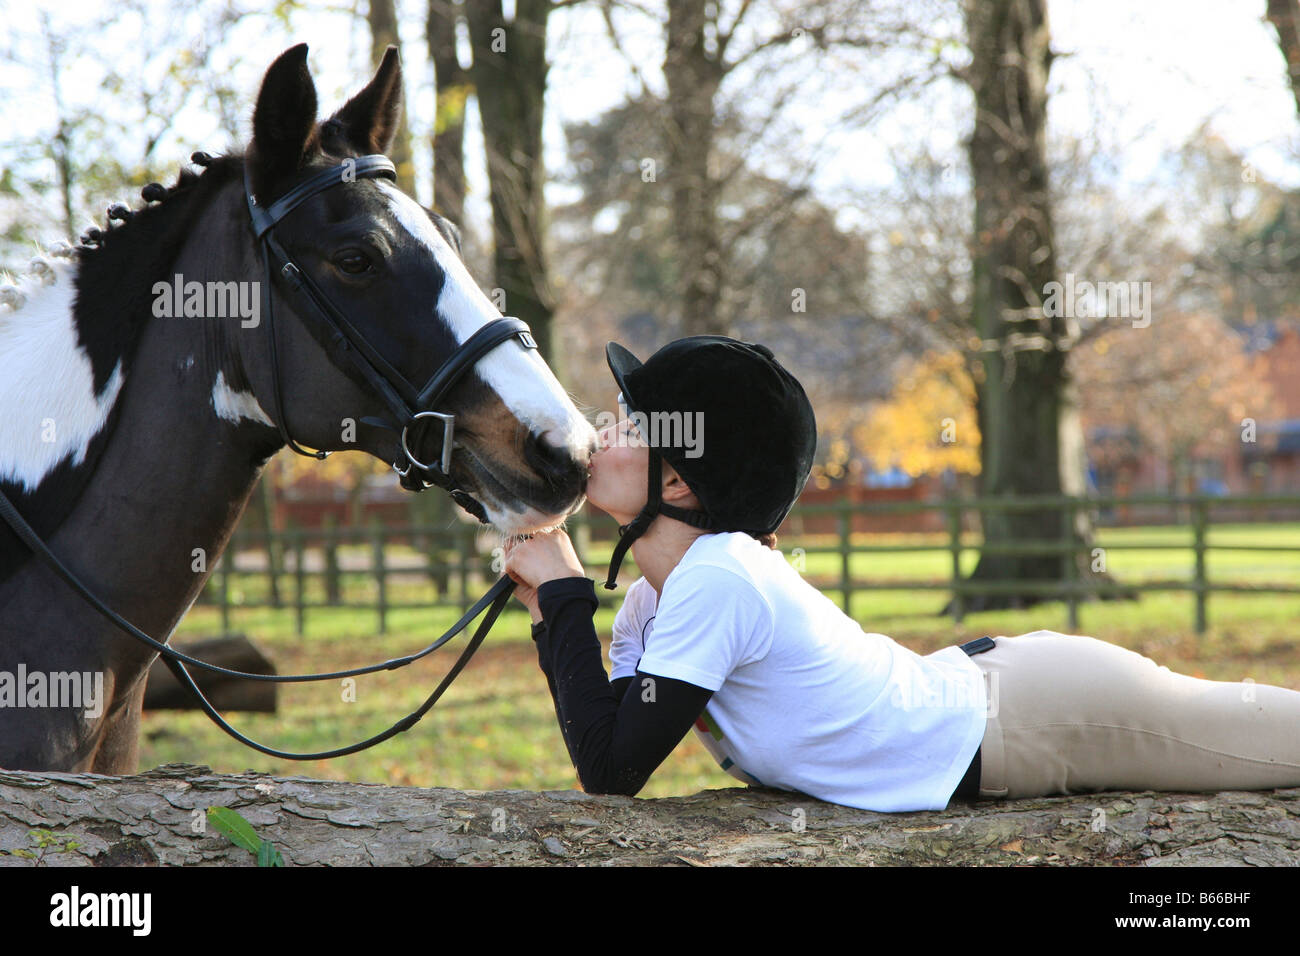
x: 131, y: 437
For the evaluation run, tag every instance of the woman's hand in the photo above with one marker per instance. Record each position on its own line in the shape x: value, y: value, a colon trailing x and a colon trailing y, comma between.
x: 531, y: 562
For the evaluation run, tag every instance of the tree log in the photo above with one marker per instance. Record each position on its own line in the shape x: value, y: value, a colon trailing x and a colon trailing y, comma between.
x: 152, y: 818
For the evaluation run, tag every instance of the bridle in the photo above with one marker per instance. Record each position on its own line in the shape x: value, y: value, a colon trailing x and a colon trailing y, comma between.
x: 407, y: 406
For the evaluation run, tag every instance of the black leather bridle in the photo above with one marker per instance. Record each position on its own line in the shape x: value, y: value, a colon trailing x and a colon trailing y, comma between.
x: 406, y: 404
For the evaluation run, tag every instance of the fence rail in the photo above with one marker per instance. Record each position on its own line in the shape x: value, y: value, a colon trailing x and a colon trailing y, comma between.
x: 456, y: 563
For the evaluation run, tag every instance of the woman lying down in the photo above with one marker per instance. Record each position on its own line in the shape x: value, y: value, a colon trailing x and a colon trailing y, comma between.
x: 721, y: 634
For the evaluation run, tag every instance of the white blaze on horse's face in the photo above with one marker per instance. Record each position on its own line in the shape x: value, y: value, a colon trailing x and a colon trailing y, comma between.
x: 520, y: 378
x: 51, y: 411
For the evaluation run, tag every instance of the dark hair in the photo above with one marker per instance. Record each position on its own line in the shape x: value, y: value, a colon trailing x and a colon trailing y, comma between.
x: 769, y: 539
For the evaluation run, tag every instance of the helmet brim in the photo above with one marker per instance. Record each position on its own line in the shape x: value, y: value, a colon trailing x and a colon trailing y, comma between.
x: 622, y: 363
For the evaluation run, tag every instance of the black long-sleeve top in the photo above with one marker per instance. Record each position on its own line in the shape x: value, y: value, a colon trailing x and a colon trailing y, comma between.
x: 617, y: 732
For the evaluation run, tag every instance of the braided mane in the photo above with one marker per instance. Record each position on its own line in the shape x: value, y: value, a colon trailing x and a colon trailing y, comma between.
x: 120, y: 264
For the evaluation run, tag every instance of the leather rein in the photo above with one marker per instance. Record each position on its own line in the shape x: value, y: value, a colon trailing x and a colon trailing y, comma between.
x: 407, y: 405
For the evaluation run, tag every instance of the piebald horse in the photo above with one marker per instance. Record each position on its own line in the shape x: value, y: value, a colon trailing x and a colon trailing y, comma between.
x: 131, y: 436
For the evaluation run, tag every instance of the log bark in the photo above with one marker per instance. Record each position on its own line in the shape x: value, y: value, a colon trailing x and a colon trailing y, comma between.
x: 150, y: 819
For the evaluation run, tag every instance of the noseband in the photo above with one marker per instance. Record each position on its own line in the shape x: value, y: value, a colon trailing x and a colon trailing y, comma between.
x: 407, y: 404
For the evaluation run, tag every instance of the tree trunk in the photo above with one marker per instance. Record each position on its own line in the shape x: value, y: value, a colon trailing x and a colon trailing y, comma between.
x: 509, y: 73
x: 1285, y: 17
x: 693, y: 77
x: 158, y: 818
x: 1031, y: 435
x: 451, y: 82
x: 61, y: 146
x: 382, y: 18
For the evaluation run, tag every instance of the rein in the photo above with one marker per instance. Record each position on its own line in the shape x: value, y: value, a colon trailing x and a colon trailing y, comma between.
x: 494, y: 601
x: 407, y: 404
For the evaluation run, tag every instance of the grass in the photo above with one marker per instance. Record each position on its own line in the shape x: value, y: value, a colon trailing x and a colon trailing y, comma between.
x: 496, y: 727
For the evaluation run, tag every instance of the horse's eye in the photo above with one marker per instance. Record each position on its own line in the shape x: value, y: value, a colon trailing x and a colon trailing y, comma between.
x: 353, y: 263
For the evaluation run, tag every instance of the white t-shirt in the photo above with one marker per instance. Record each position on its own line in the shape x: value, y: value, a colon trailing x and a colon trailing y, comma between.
x: 803, y: 698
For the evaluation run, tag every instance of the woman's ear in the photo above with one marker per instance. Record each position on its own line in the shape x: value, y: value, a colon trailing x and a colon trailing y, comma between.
x: 675, y: 490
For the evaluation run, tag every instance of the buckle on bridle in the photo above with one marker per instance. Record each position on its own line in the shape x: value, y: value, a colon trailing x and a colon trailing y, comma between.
x: 448, y: 431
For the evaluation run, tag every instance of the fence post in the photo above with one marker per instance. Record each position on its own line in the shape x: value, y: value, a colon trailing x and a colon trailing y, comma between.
x: 581, y: 536
x: 1199, y: 521
x: 330, y: 546
x: 954, y: 532
x: 467, y: 544
x: 846, y: 578
x: 1071, y: 567
x: 274, y: 552
x: 436, y: 564
x: 296, y: 536
x: 377, y: 563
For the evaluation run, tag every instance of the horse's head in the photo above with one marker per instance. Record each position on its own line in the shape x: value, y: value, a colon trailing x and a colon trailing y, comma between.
x: 393, y: 271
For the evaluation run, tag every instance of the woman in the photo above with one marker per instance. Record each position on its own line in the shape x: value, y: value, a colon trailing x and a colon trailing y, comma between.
x: 721, y: 633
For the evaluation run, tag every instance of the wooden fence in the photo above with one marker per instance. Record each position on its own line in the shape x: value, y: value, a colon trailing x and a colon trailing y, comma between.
x: 314, y: 569
x: 1074, y: 588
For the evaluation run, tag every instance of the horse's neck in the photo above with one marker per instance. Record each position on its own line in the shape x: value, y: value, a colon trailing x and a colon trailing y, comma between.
x: 173, y: 477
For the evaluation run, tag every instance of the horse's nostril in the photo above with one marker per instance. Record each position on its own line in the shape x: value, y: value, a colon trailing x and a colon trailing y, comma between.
x: 552, y: 460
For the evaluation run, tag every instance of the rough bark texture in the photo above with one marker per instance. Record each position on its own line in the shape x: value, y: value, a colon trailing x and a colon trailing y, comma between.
x: 148, y: 820
x: 1285, y: 17
x: 509, y: 74
x: 452, y: 83
x: 693, y: 76
x: 1031, y: 435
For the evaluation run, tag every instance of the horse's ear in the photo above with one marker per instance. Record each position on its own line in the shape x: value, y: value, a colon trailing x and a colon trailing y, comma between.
x: 449, y: 231
x: 283, y: 119
x: 368, y: 122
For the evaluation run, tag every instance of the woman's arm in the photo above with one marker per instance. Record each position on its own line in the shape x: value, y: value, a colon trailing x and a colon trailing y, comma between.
x: 617, y: 734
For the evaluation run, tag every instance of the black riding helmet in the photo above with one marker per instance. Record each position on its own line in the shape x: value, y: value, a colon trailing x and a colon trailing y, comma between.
x: 752, y: 429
